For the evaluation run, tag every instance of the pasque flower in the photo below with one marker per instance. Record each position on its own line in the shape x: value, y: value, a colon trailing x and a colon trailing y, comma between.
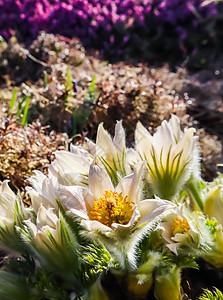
x: 167, y: 285
x: 12, y: 209
x: 113, y: 153
x: 43, y: 190
x: 213, y: 204
x: 72, y: 168
x: 47, y: 223
x: 215, y: 257
x: 171, y: 156
x: 105, y: 208
x: 186, y: 231
x: 7, y: 203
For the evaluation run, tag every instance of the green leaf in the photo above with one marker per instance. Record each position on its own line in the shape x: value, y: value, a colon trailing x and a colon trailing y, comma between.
x: 92, y: 89
x: 13, y: 99
x: 69, y: 77
x: 25, y: 111
x: 208, y: 295
x: 45, y: 79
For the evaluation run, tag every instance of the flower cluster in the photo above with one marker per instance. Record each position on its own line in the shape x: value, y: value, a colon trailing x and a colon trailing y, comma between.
x: 108, y: 25
x: 105, y: 207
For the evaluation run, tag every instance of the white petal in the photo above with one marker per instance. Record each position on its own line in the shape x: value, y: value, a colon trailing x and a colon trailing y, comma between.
x: 78, y: 213
x: 135, y: 217
x: 72, y: 178
x: 78, y: 150
x: 119, y: 138
x: 163, y: 140
x: 185, y: 145
x: 37, y: 180
x: 130, y: 185
x: 166, y: 227
x: 99, y: 180
x: 173, y: 247
x: 46, y: 217
x: 37, y: 199
x: 31, y: 226
x: 73, y: 197
x: 95, y: 226
x: 48, y: 191
x: 175, y: 126
x: 4, y: 188
x: 72, y: 162
x: 132, y: 156
x: 143, y: 140
x: 90, y: 146
x: 104, y: 144
x: 151, y: 208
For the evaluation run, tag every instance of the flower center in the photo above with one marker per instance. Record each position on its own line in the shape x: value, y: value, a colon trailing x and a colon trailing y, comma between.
x: 112, y: 208
x: 180, y: 226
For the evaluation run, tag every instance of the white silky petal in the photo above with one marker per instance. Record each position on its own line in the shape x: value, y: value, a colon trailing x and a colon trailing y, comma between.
x: 163, y: 140
x: 48, y: 190
x: 37, y: 199
x: 32, y: 227
x: 180, y: 237
x: 99, y: 180
x: 119, y: 138
x: 78, y: 213
x: 135, y: 217
x: 73, y: 197
x: 72, y: 162
x: 95, y: 226
x: 37, y: 181
x: 143, y: 140
x: 152, y: 208
x: 130, y: 185
x: 90, y: 147
x: 78, y: 150
x: 185, y: 145
x: 175, y: 126
x: 72, y: 178
x: 104, y: 144
x: 46, y: 217
x: 173, y: 247
x: 132, y: 156
x: 4, y: 188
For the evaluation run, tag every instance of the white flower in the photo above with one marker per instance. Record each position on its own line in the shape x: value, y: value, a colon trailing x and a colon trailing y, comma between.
x: 171, y: 156
x: 167, y: 285
x: 215, y: 257
x: 47, y: 223
x: 113, y: 152
x: 183, y: 229
x: 43, y: 190
x: 213, y: 205
x: 7, y: 205
x: 103, y: 207
x: 72, y: 168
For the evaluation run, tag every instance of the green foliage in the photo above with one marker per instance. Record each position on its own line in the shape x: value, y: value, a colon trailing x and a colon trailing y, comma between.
x: 208, y: 295
x: 13, y: 99
x: 212, y: 224
x: 69, y: 77
x: 22, y: 279
x: 193, y: 189
x: 92, y: 89
x: 96, y: 259
x: 45, y: 79
x: 22, y: 110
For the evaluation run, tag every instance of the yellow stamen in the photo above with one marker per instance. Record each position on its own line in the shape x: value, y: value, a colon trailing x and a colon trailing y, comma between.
x: 112, y: 208
x: 180, y: 226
